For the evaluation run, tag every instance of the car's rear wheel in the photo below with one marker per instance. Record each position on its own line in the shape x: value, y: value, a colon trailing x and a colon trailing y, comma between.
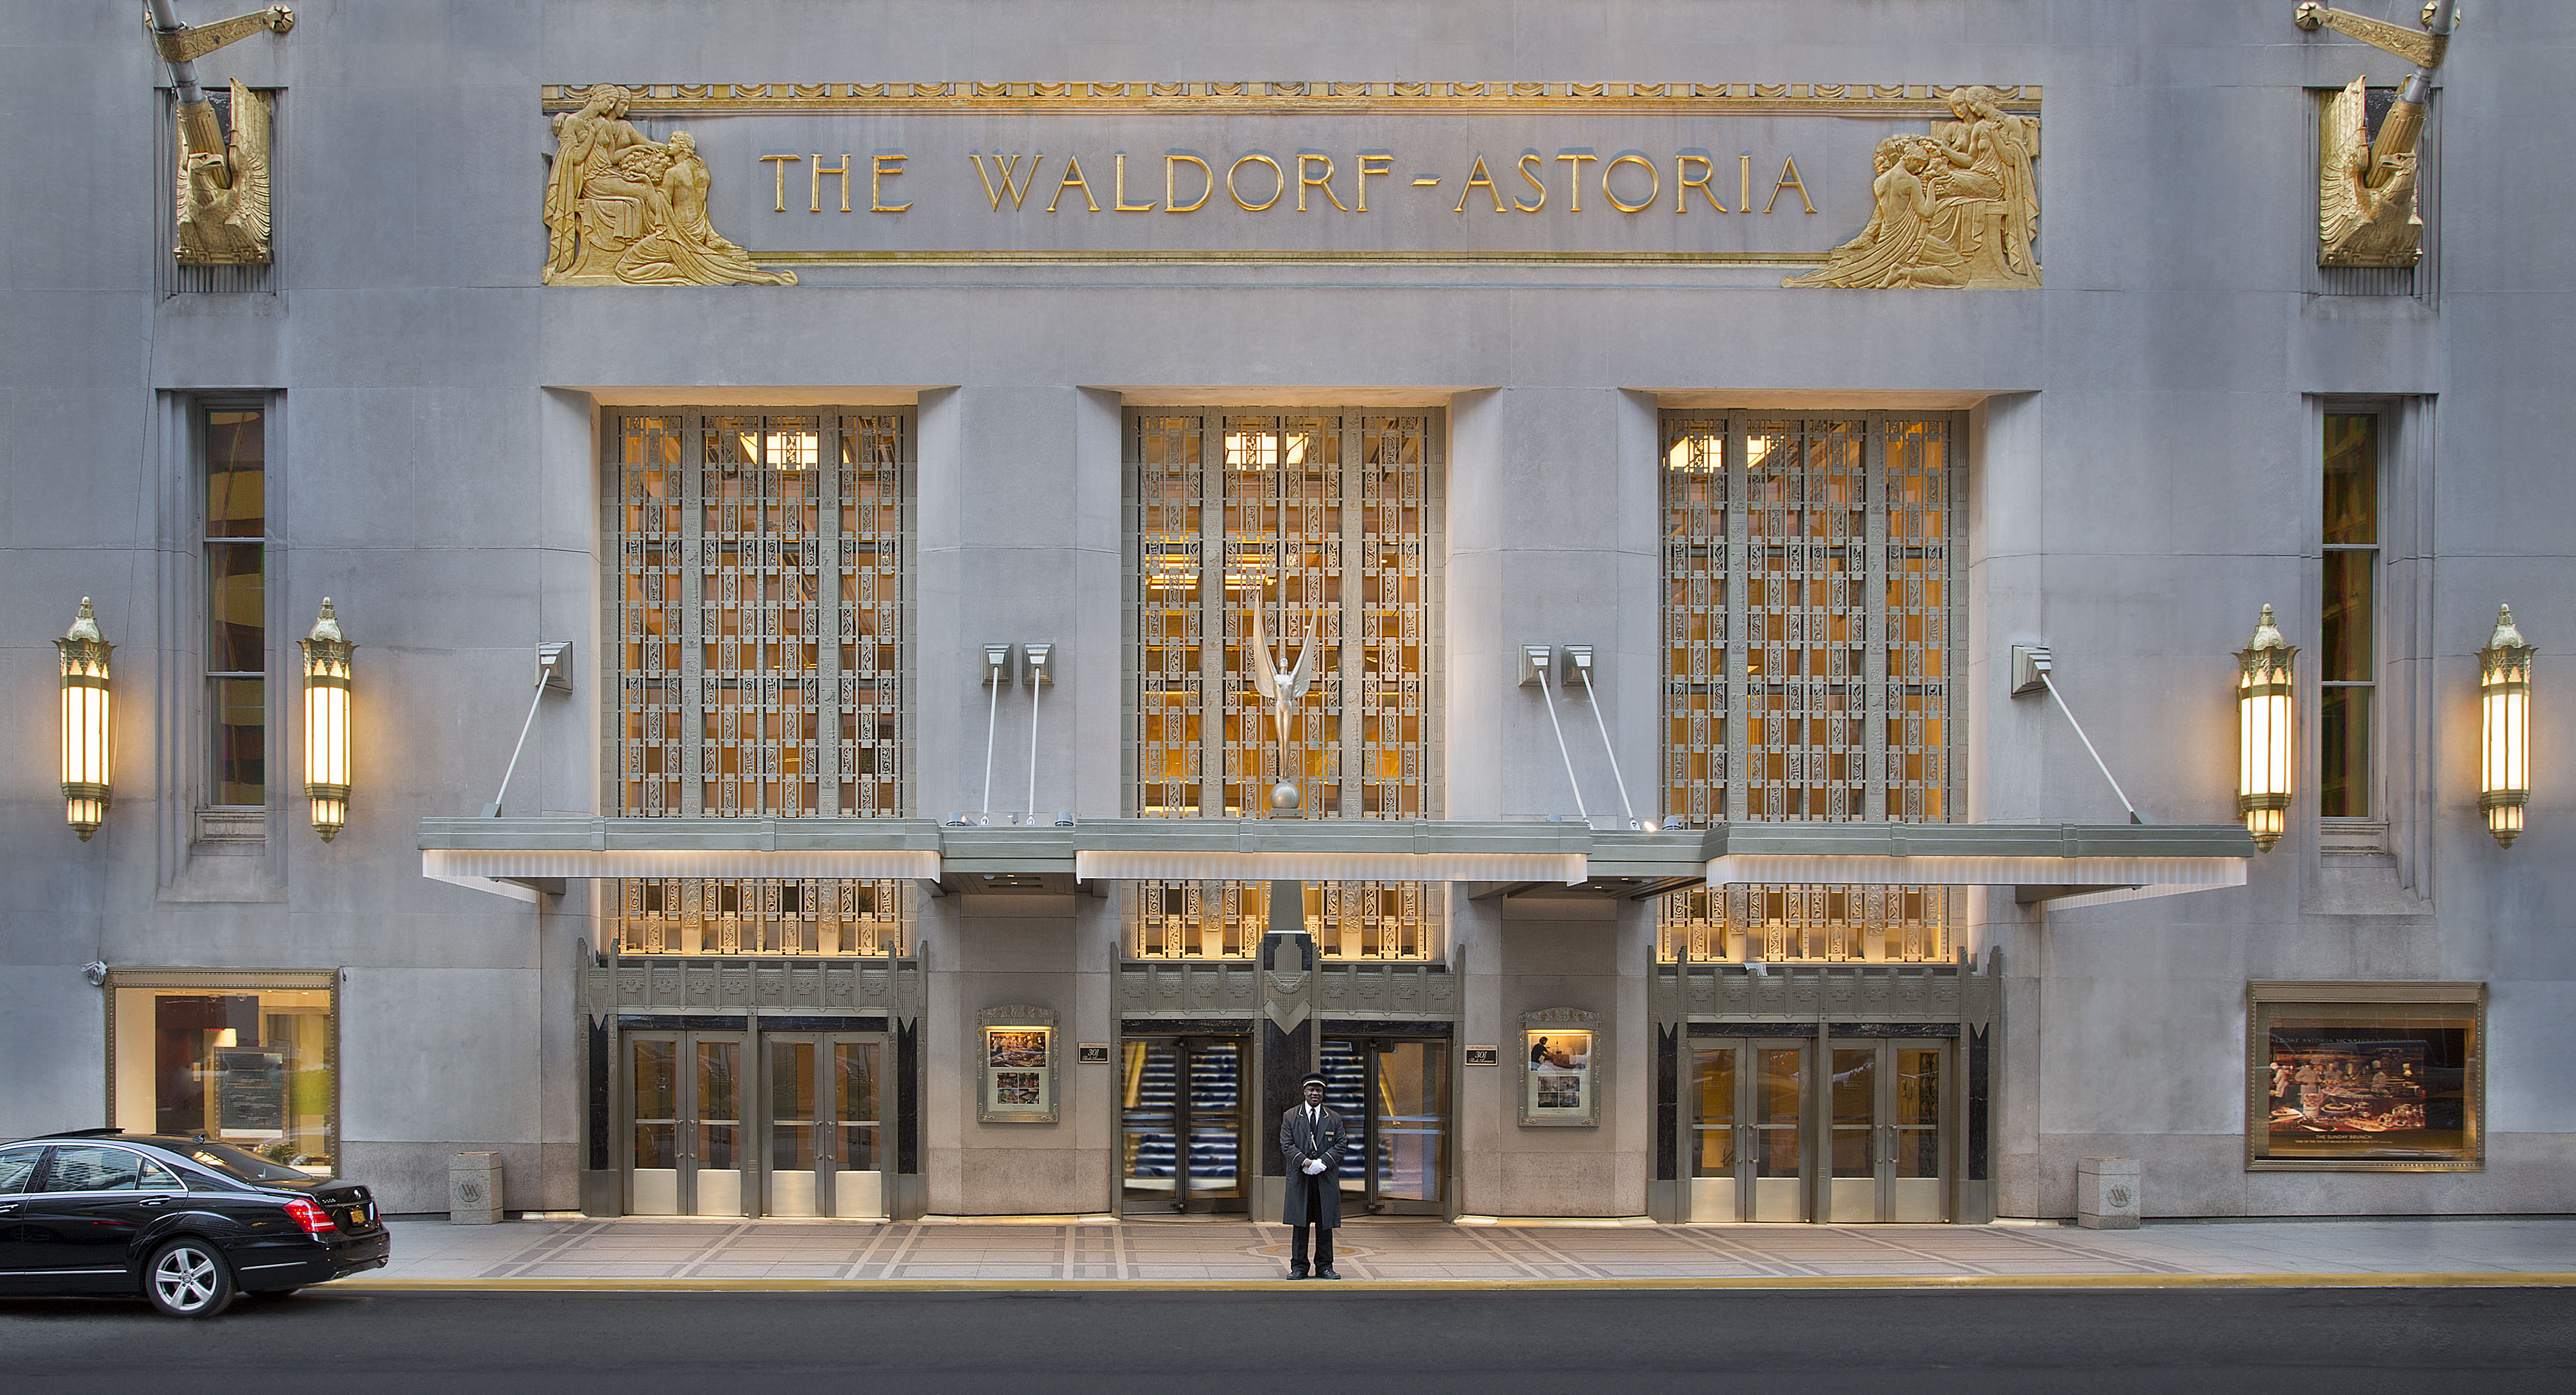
x: 188, y: 1278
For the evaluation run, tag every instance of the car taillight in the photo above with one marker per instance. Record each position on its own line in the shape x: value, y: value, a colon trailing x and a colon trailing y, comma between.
x: 313, y: 1218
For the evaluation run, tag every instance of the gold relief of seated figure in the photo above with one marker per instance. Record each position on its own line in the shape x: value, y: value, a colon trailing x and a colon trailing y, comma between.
x: 1958, y: 207
x: 621, y: 210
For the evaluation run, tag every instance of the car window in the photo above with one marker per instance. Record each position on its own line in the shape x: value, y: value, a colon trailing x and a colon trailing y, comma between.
x: 18, y: 1168
x: 83, y: 1168
x: 159, y: 1178
x: 249, y: 1167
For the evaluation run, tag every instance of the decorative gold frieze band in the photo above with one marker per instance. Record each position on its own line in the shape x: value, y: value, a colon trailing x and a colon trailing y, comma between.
x: 1297, y: 257
x: 1445, y: 98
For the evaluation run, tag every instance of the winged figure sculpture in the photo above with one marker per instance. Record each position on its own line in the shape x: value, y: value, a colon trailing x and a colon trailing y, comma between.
x: 2359, y: 224
x: 223, y: 194
x: 1283, y: 691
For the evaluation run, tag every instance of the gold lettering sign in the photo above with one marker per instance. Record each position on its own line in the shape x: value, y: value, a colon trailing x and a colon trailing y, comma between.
x: 1939, y: 184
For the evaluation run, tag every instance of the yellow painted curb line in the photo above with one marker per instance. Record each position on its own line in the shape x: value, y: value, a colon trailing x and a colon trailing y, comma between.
x: 1877, y: 1281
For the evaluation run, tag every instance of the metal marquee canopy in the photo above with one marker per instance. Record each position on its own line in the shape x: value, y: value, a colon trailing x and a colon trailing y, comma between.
x: 2059, y: 865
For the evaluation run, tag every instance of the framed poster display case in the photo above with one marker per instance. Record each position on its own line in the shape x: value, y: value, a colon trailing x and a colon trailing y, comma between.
x: 1015, y: 1050
x: 1560, y: 1079
x: 2365, y: 1077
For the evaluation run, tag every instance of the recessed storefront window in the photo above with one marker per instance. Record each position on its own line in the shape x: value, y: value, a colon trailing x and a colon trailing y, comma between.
x: 2366, y: 1077
x: 249, y: 1060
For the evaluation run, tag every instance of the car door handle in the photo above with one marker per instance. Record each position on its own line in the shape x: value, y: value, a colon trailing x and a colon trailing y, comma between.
x: 156, y: 1201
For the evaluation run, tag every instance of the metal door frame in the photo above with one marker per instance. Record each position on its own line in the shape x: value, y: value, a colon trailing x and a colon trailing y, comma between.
x: 827, y: 1121
x: 1882, y: 1145
x: 1942, y: 1124
x: 1815, y: 1124
x: 1811, y: 1103
x: 1247, y: 1157
x: 685, y: 1141
x: 1370, y: 1046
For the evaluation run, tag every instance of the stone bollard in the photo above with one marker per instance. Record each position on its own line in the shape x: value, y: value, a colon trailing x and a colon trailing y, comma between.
x: 2106, y: 1193
x: 474, y: 1189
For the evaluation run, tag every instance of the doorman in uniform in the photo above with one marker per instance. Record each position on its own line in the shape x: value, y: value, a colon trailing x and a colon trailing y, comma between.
x: 1311, y: 1136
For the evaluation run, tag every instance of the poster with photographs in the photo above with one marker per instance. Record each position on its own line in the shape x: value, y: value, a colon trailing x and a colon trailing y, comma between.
x: 1019, y: 1074
x: 2364, y: 1085
x: 1015, y: 1048
x: 1559, y: 1085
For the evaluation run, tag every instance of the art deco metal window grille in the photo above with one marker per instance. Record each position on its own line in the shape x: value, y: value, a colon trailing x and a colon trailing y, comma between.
x: 1812, y: 624
x: 758, y: 605
x: 1321, y: 519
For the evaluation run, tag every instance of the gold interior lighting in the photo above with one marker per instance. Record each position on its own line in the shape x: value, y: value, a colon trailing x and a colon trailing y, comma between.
x: 87, y: 709
x: 2265, y: 699
x: 326, y: 723
x: 2504, y: 764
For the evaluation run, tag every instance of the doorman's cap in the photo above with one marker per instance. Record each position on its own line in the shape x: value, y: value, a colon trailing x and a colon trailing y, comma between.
x: 1313, y: 1077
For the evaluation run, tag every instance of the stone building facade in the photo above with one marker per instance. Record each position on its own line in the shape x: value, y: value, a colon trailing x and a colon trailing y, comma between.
x: 1524, y: 619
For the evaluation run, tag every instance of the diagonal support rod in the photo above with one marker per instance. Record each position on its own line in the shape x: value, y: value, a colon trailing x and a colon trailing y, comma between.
x: 1583, y: 671
x: 549, y: 656
x: 2031, y: 666
x: 1536, y: 661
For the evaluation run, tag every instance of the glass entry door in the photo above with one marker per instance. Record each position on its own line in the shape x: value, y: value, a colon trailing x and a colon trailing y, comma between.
x: 823, y: 1125
x: 684, y: 1099
x: 1392, y: 1094
x: 1749, y: 1140
x: 1181, y: 1124
x: 1913, y: 1177
x: 1773, y: 1141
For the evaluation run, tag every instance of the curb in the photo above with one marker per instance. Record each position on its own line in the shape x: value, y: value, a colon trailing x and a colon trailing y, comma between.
x: 1747, y: 1282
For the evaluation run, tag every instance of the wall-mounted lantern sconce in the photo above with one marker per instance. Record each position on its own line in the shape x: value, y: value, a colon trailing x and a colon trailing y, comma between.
x: 2504, y: 764
x: 86, y: 724
x: 2265, y: 696
x: 326, y: 723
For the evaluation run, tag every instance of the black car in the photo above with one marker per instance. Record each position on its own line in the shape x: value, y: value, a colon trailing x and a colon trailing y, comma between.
x: 188, y: 1223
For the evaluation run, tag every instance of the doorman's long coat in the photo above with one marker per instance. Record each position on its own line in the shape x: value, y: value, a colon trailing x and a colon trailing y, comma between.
x: 1300, y: 1141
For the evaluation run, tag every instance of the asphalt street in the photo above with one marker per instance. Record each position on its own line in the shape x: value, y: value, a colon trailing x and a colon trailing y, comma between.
x: 1339, y: 1339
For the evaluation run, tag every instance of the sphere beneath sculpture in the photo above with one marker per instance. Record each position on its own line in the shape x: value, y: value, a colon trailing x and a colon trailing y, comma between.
x: 1283, y: 795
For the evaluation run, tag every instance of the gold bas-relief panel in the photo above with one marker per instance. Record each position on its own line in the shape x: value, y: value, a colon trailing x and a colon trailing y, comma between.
x: 621, y: 210
x: 222, y: 201
x: 1956, y: 208
x: 2366, y: 181
x: 2358, y: 223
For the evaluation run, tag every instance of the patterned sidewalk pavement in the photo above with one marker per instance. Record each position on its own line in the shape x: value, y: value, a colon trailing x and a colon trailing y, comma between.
x: 572, y: 1253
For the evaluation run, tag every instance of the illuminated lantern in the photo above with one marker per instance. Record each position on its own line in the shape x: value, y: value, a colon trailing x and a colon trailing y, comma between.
x: 2265, y: 700
x: 86, y: 723
x: 326, y: 723
x: 2504, y: 752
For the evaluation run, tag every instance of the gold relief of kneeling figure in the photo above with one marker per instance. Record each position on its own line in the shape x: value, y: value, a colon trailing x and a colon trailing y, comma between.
x: 621, y: 210
x: 1956, y: 208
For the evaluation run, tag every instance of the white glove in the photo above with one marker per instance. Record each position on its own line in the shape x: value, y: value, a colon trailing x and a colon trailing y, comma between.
x: 1313, y: 1166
